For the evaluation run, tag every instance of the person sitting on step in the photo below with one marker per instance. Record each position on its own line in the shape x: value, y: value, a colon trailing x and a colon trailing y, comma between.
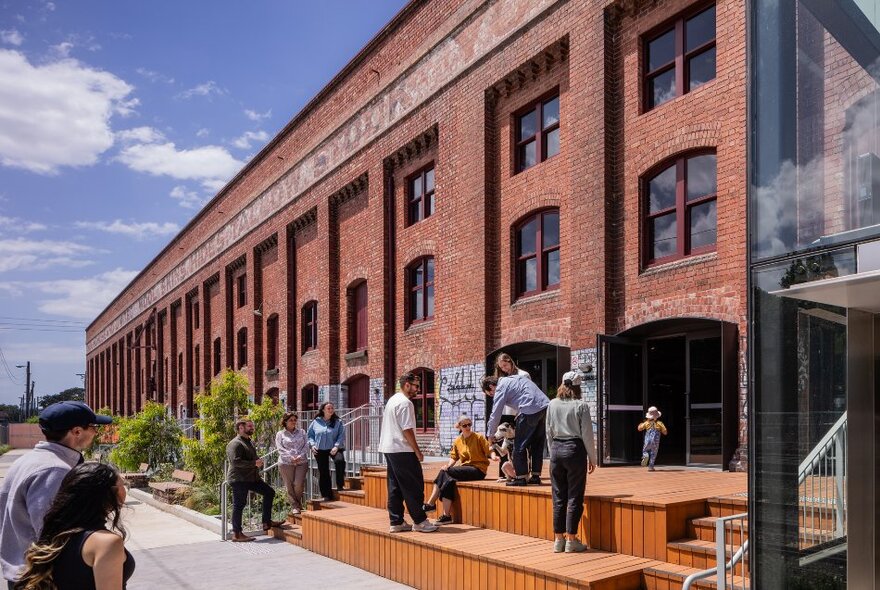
x: 471, y: 451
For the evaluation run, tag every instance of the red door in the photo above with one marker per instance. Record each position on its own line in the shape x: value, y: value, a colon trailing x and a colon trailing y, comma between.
x: 358, y: 395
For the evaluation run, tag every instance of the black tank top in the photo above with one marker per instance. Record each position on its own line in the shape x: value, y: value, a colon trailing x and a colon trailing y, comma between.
x: 70, y: 572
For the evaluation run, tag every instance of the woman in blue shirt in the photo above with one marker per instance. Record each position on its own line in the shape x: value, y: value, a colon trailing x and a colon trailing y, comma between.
x: 327, y: 439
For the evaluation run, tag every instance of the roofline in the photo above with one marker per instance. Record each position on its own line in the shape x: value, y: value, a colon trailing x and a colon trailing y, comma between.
x: 361, y: 55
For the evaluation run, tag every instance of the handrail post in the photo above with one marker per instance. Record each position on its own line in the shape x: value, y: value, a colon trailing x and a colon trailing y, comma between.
x: 839, y: 472
x: 720, y: 555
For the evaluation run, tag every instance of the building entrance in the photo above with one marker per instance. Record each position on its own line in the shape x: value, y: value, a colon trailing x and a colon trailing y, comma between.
x: 687, y: 368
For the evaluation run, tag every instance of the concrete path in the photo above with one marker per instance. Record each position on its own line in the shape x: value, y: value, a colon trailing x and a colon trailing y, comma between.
x: 172, y: 553
x: 8, y: 458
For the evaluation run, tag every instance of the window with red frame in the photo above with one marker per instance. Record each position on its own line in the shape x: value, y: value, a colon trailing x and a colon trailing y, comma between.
x: 680, y: 209
x: 195, y: 315
x: 197, y: 370
x: 680, y: 58
x: 242, y: 348
x: 537, y: 253
x: 180, y: 368
x: 272, y: 342
x: 424, y: 402
x: 357, y: 317
x: 420, y: 195
x: 536, y: 133
x: 310, y: 326
x: 216, y: 357
x: 310, y: 397
x: 420, y: 280
x: 242, y: 290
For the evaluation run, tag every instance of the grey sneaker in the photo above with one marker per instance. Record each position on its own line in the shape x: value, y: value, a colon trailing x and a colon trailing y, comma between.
x: 400, y: 528
x: 559, y: 546
x: 426, y: 526
x: 644, y: 460
x: 575, y: 546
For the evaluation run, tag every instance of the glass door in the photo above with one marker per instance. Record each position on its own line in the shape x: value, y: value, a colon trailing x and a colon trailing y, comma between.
x: 705, y: 426
x: 621, y: 399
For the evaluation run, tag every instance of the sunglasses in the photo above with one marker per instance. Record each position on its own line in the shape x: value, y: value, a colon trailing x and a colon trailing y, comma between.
x: 463, y: 425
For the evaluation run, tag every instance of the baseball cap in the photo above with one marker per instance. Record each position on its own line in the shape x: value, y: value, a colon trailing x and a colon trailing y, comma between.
x: 67, y: 415
x: 573, y: 376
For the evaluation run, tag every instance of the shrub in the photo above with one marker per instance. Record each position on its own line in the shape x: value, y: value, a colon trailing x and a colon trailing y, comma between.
x: 151, y: 437
x: 4, y: 449
x: 218, y: 410
x: 267, y: 421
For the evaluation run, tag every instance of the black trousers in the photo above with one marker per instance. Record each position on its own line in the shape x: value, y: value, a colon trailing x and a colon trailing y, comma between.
x: 322, y: 458
x: 240, y: 491
x: 406, y: 484
x: 568, y: 479
x: 531, y: 435
x: 446, y: 479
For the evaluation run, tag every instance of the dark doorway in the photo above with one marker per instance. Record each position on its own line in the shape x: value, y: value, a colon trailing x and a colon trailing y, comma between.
x: 667, y: 389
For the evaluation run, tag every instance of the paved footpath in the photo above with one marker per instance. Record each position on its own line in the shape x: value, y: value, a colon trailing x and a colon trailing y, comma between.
x: 173, y: 553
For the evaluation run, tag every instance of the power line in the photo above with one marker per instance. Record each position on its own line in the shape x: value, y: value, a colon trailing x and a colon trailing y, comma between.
x: 39, y: 325
x: 44, y: 320
x: 59, y: 329
x: 6, y: 366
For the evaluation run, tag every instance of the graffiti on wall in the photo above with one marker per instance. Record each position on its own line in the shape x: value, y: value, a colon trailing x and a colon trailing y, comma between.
x: 459, y: 393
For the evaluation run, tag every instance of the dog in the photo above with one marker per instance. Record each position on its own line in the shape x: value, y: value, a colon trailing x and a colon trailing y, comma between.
x: 501, y: 446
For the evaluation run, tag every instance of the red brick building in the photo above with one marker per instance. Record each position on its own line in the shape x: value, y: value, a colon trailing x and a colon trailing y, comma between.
x: 482, y: 177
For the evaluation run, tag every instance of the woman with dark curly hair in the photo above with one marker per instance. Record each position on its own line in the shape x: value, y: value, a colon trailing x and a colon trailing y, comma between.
x: 76, y: 550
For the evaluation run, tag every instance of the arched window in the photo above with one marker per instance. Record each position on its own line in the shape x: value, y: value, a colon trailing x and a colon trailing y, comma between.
x: 272, y: 342
x: 420, y: 289
x: 357, y: 316
x: 216, y: 356
x: 424, y: 402
x: 310, y: 398
x: 680, y: 215
x: 310, y: 326
x: 537, y: 253
x: 273, y: 393
x: 242, y: 348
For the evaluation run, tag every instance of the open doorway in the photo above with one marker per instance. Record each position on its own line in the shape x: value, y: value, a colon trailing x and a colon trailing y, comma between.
x: 545, y: 363
x: 685, y: 367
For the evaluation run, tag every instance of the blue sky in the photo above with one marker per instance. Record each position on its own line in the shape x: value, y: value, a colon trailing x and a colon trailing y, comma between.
x: 118, y: 120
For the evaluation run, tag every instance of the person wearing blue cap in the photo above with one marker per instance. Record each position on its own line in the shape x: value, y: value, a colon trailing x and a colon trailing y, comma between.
x: 34, y: 479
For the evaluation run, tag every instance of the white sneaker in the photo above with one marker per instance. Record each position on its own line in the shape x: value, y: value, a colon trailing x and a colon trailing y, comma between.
x: 400, y: 528
x: 426, y: 526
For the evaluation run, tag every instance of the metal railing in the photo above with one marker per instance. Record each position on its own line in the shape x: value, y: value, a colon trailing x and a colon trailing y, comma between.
x: 822, y: 489
x: 188, y: 426
x: 730, y: 539
x: 362, y: 428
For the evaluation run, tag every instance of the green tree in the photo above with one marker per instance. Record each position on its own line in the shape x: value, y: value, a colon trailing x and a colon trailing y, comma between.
x: 151, y: 436
x: 72, y: 394
x: 218, y: 410
x: 105, y: 435
x: 267, y: 421
x: 9, y: 412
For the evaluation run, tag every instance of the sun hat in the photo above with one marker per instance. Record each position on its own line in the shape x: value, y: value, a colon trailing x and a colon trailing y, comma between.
x: 653, y: 413
x: 573, y: 376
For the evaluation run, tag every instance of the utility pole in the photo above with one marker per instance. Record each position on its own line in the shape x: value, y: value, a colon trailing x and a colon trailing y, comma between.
x: 33, y: 410
x: 26, y: 401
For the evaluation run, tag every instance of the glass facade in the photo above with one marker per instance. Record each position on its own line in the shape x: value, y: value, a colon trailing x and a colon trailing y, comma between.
x: 814, y: 217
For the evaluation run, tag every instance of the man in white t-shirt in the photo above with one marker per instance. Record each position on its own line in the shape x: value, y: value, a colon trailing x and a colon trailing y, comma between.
x: 406, y: 482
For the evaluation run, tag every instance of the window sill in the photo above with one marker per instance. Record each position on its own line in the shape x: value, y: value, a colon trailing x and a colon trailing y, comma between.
x: 543, y: 296
x: 358, y: 354
x: 679, y: 263
x: 419, y: 327
x: 310, y: 352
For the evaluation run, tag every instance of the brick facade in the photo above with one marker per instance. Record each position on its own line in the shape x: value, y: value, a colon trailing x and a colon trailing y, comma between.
x: 324, y: 207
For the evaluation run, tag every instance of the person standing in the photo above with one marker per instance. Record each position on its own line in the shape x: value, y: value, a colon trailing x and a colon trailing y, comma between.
x: 327, y: 441
x: 397, y: 441
x: 505, y: 367
x: 33, y: 480
x: 76, y: 550
x: 244, y: 477
x: 572, y: 457
x: 531, y: 403
x: 293, y: 459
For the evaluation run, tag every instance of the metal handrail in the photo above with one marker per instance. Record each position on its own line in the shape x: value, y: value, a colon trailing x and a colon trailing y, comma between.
x: 821, y: 449
x: 723, y: 565
x: 822, y: 488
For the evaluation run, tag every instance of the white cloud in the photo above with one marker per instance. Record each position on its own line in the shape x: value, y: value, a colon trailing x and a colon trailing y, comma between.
x: 154, y: 76
x: 23, y: 254
x: 138, y: 231
x: 83, y: 298
x: 255, y: 116
x: 140, y: 135
x: 47, y: 352
x: 209, y: 164
x: 188, y: 199
x: 203, y: 132
x: 11, y: 37
x: 244, y: 142
x: 208, y: 89
x: 57, y: 114
x: 63, y: 49
x: 15, y: 224
x: 50, y: 6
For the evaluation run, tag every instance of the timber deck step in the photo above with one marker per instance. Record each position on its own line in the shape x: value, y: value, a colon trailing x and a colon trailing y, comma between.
x: 462, y: 556
x: 292, y: 533
x: 671, y: 577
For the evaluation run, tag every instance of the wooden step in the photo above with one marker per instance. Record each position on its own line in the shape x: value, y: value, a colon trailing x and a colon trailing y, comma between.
x: 704, y: 529
x: 728, y: 505
x: 462, y: 556
x: 358, y: 497
x: 700, y: 554
x: 291, y: 533
x: 671, y: 577
x: 354, y: 483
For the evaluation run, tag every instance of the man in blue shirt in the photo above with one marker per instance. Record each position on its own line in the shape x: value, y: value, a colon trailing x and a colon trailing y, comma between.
x: 521, y: 393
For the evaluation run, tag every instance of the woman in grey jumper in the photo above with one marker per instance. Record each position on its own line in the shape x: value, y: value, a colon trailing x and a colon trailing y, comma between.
x: 572, y: 456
